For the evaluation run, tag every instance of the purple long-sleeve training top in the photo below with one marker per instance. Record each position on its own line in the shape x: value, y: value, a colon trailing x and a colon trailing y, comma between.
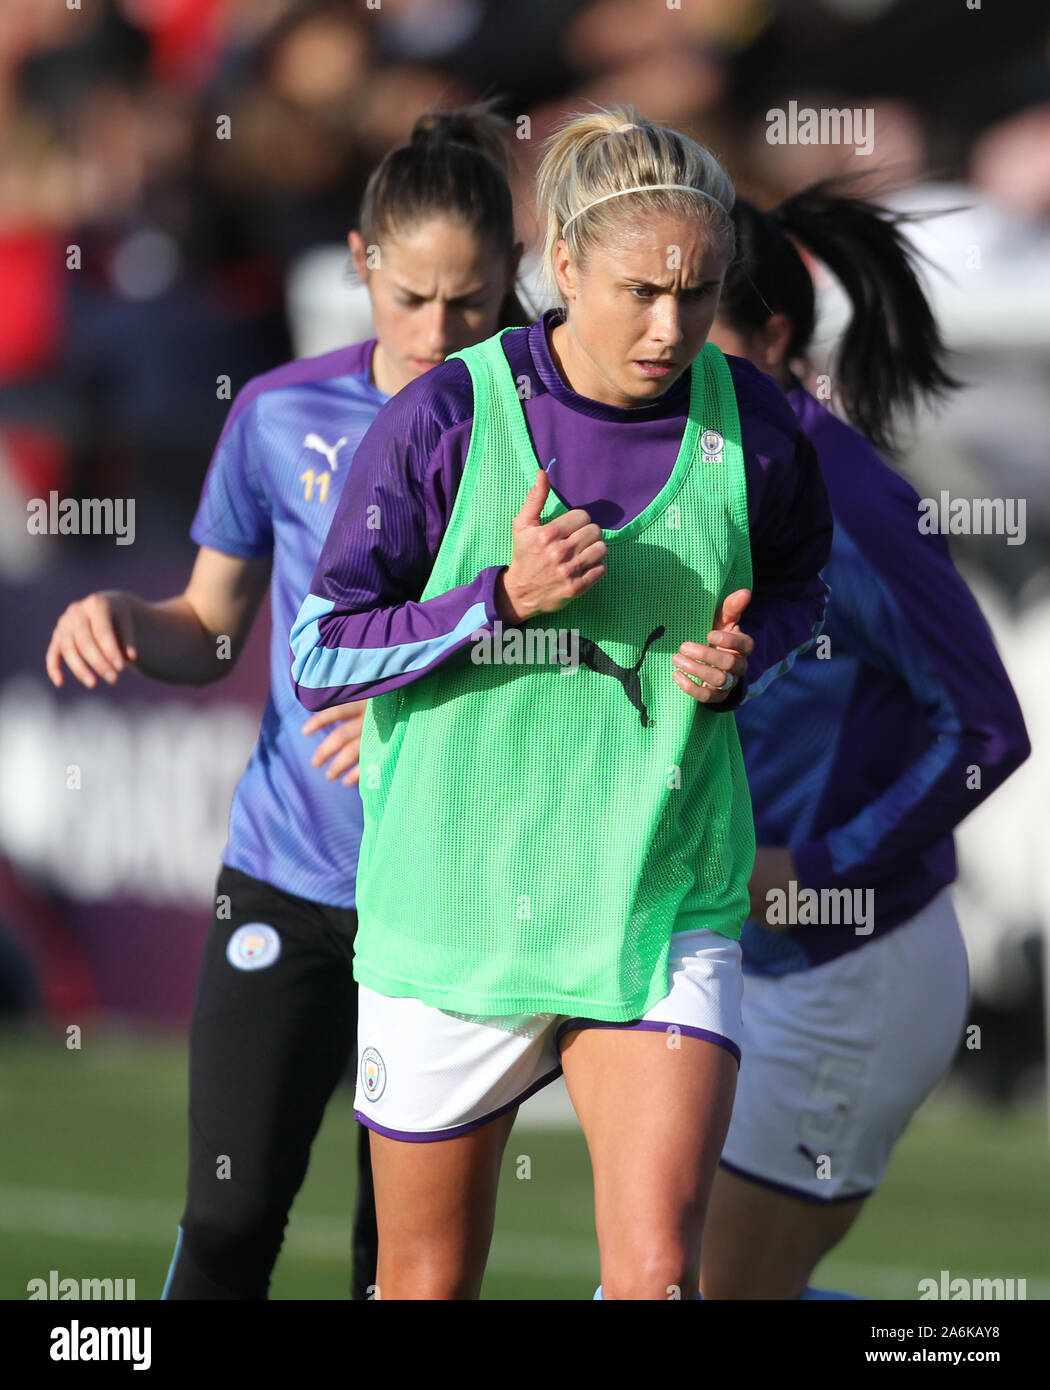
x: 363, y: 630
x: 902, y: 718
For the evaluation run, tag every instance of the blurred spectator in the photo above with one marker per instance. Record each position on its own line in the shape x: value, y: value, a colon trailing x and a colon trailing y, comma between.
x: 1011, y: 162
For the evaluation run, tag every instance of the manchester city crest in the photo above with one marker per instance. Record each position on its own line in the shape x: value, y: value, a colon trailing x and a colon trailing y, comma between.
x: 711, y: 446
x: 253, y: 946
x: 373, y: 1074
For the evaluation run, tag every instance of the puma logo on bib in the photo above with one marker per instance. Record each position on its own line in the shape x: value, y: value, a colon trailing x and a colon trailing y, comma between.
x: 592, y: 655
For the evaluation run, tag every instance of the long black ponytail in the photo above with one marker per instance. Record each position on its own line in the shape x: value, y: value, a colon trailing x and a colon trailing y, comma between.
x: 891, y: 355
x: 454, y: 165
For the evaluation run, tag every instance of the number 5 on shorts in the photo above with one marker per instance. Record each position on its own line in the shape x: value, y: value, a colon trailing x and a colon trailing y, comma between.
x: 810, y: 1126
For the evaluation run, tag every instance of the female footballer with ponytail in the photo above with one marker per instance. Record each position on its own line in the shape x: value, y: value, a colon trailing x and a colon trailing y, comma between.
x: 849, y: 1023
x: 557, y: 849
x: 274, y: 1018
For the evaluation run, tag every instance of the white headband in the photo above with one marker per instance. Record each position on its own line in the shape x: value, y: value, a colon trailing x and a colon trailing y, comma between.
x: 642, y: 188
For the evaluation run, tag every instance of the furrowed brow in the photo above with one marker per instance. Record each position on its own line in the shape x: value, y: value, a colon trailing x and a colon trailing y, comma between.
x: 455, y: 299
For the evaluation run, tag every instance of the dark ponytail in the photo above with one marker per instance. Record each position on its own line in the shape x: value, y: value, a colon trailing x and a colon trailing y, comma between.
x: 891, y: 356
x: 455, y: 166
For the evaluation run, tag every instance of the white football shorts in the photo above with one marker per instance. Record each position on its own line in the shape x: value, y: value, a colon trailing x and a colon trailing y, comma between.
x: 424, y: 1073
x: 837, y: 1059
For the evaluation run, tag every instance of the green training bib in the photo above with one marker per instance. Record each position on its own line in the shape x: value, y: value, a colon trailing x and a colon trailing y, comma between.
x: 535, y: 830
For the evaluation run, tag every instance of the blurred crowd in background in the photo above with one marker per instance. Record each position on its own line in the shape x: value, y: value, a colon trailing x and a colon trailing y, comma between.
x: 201, y: 256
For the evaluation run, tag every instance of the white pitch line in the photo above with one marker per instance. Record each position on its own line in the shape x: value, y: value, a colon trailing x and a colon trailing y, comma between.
x: 326, y: 1239
x: 138, y: 1220
x: 152, y: 1221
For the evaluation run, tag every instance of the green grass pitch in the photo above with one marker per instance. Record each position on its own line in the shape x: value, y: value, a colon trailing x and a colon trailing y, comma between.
x: 93, y: 1167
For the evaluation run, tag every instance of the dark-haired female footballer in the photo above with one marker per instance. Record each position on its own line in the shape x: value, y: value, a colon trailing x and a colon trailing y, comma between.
x: 275, y: 1014
x: 861, y: 761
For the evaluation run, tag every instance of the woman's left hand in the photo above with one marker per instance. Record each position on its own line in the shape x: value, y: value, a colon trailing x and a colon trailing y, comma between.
x: 343, y: 744
x: 722, y: 664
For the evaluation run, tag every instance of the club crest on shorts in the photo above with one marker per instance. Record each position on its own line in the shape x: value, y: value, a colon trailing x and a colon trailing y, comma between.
x: 711, y: 446
x: 373, y: 1074
x: 253, y: 947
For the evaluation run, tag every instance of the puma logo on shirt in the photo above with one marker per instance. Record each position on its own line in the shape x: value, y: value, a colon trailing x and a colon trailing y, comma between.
x: 592, y: 655
x: 330, y: 451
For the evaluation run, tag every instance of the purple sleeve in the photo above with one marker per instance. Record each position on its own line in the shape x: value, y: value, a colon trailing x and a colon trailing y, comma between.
x: 233, y: 515
x: 363, y: 630
x: 909, y: 614
x: 791, y: 533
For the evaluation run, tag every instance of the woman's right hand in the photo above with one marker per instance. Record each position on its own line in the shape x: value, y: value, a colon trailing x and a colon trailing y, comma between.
x: 94, y: 637
x: 553, y: 562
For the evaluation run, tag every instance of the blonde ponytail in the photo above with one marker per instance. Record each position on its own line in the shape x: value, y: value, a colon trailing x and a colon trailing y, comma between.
x: 598, y: 156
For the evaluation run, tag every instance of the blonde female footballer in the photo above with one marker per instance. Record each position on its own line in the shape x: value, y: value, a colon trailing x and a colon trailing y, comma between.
x: 558, y: 834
